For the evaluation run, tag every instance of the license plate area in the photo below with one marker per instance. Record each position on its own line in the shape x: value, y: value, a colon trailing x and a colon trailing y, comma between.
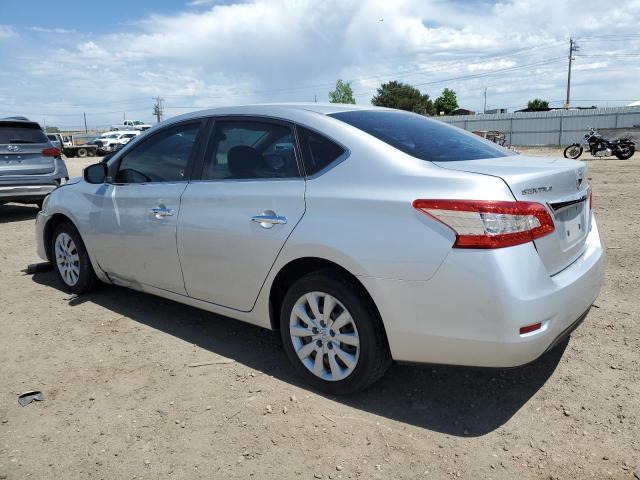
x: 572, y: 223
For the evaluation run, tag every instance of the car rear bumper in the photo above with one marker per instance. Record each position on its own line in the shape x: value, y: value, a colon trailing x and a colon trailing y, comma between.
x: 31, y: 192
x: 32, y: 187
x: 471, y: 311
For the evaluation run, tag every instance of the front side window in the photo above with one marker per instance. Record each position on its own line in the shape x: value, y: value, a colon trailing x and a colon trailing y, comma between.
x: 421, y: 137
x: 247, y: 149
x: 318, y: 151
x: 162, y: 158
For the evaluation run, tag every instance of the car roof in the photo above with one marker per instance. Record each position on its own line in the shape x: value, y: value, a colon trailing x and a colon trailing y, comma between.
x: 322, y: 108
x: 289, y: 111
x: 17, y: 120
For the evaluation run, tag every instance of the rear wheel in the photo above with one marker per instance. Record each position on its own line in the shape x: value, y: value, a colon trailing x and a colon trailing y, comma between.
x: 91, y: 152
x: 71, y: 261
x: 332, y: 333
x: 573, y: 151
x: 625, y: 152
x: 82, y: 152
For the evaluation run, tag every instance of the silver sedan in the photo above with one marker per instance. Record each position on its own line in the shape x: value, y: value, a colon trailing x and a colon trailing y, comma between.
x: 363, y: 235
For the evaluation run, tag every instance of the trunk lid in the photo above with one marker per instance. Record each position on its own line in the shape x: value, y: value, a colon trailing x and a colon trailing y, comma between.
x: 21, y: 145
x: 28, y: 160
x: 560, y: 184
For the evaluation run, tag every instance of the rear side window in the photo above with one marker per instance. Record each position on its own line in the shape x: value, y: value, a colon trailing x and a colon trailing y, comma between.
x: 248, y: 149
x: 16, y: 133
x: 421, y: 137
x: 318, y: 152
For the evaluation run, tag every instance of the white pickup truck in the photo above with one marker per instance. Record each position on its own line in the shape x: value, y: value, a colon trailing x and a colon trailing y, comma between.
x: 131, y: 125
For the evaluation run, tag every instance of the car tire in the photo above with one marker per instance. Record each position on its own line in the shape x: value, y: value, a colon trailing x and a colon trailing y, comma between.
x: 82, y: 152
x: 71, y: 261
x: 325, y: 356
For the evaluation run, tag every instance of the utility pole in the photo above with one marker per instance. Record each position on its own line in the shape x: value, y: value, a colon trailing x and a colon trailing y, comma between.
x: 484, y: 110
x: 315, y: 98
x: 85, y: 122
x: 158, y: 109
x: 573, y: 47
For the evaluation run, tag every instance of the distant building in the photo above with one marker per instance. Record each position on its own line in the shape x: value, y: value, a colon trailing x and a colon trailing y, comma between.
x: 554, y: 109
x: 463, y: 111
x: 496, y: 110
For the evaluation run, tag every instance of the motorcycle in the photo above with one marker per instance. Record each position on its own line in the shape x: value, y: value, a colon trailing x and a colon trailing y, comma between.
x: 599, y: 146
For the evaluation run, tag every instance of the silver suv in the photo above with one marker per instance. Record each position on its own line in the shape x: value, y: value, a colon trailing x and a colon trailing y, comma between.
x: 31, y: 167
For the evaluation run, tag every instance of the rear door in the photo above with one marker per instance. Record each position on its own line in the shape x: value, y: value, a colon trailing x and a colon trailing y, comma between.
x: 236, y: 218
x: 134, y: 225
x: 21, y: 146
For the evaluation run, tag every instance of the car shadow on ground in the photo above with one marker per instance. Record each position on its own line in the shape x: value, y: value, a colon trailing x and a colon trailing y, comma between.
x: 457, y: 401
x: 17, y: 212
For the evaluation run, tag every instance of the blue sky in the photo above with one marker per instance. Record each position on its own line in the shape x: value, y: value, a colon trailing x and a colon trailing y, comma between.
x: 95, y: 17
x: 61, y: 59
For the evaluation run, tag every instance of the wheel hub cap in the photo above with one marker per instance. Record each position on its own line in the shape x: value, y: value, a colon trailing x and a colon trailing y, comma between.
x: 324, y: 336
x: 67, y: 259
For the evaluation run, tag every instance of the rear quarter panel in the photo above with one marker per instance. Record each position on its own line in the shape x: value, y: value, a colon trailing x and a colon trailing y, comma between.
x: 360, y: 214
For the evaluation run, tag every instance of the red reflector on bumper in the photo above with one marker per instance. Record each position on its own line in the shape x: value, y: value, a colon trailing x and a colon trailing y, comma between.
x: 530, y: 328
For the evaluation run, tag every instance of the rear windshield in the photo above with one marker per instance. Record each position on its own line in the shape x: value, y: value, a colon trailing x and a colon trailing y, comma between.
x: 421, y: 137
x: 16, y: 133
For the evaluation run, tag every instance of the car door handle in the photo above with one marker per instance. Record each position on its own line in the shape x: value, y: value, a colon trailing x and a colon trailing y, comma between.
x: 161, y: 212
x: 268, y: 219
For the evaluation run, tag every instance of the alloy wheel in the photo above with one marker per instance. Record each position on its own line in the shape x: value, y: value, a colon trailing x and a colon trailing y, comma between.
x: 67, y: 259
x: 324, y: 336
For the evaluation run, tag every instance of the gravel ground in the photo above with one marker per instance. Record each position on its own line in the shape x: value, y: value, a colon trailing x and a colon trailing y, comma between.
x: 121, y: 401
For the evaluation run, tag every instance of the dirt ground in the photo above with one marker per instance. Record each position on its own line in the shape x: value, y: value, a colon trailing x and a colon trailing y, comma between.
x: 121, y: 402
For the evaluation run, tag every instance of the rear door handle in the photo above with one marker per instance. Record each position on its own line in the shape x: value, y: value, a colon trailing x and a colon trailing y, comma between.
x: 268, y: 219
x: 161, y: 212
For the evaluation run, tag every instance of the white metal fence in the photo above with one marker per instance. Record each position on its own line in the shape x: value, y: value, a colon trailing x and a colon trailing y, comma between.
x: 554, y: 128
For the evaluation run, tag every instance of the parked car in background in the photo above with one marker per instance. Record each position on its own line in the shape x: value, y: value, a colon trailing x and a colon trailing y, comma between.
x: 113, y: 141
x: 131, y: 125
x: 31, y: 167
x: 361, y: 234
x: 55, y: 140
x: 61, y: 141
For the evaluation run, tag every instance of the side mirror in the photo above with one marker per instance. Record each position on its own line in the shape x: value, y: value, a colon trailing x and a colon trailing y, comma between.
x: 96, y: 173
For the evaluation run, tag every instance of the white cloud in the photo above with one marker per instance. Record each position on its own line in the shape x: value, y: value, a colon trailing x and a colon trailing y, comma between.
x: 59, y: 31
x: 6, y: 31
x: 291, y: 50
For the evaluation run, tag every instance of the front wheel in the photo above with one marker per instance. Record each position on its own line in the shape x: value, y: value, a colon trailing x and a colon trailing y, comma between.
x: 332, y: 334
x: 71, y: 260
x: 625, y: 152
x: 573, y: 151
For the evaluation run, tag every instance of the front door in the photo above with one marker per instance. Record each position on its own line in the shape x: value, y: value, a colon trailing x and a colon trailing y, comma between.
x: 136, y: 217
x: 234, y: 221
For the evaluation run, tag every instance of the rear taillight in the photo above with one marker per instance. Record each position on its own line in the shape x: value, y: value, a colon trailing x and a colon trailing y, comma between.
x: 590, y: 199
x: 51, y: 152
x: 489, y: 223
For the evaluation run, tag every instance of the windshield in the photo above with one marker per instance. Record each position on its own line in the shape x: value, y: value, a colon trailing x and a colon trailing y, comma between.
x: 422, y: 137
x: 17, y: 133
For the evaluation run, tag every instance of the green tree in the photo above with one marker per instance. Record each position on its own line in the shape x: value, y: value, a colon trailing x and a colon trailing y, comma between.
x: 342, y: 94
x: 537, y: 104
x: 447, y: 102
x: 402, y: 96
x: 52, y: 130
